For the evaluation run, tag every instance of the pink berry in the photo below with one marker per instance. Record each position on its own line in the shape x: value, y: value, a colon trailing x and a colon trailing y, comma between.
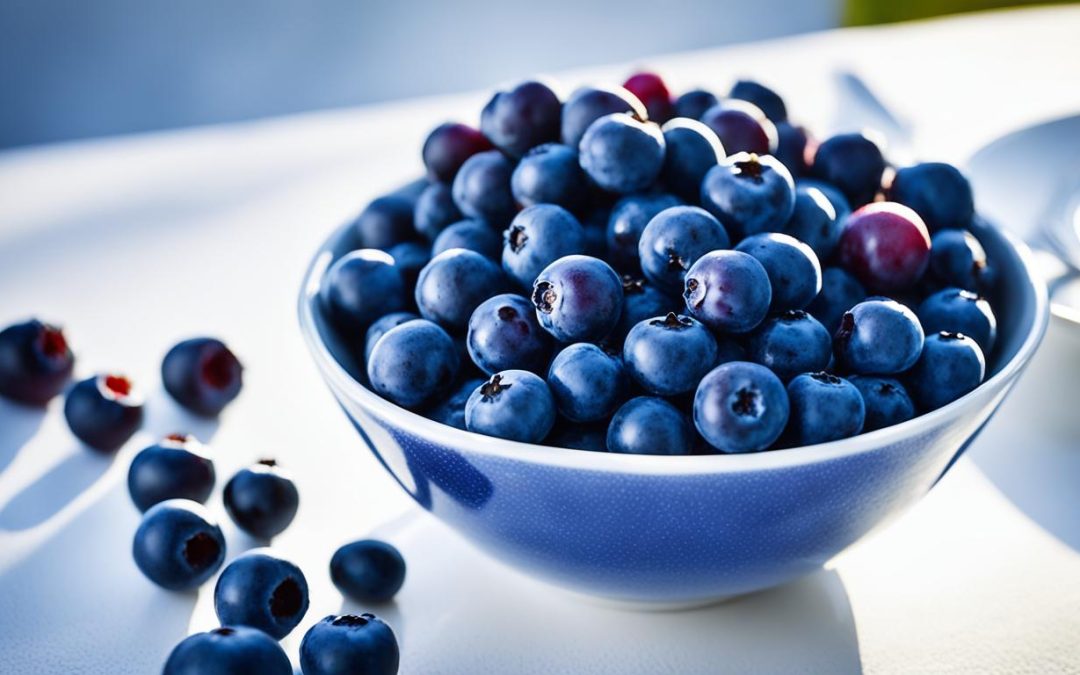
x: 651, y: 90
x: 886, y: 245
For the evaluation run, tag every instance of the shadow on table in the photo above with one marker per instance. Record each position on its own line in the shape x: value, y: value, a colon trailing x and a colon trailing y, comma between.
x: 165, y: 416
x: 54, y: 489
x: 19, y: 424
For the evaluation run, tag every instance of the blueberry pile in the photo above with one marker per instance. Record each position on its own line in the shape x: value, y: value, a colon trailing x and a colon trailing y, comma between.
x: 627, y: 271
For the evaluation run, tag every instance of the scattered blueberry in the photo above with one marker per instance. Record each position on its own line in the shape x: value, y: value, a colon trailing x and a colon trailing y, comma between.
x: 742, y: 127
x: 349, y: 645
x: 409, y: 258
x: 694, y: 103
x: 360, y: 287
x: 764, y: 98
x: 175, y: 468
x: 673, y: 241
x: 878, y: 337
x: 454, y: 284
x: 824, y: 408
x: 649, y: 426
x: 950, y: 366
x: 938, y: 192
x: 482, y: 188
x: 229, y: 650
x: 886, y: 246
x: 650, y: 89
x: 792, y: 266
x: 549, y: 174
x: 792, y: 145
x: 840, y: 291
x: 379, y: 328
x: 728, y: 291
x: 447, y: 148
x: 589, y: 104
x: 622, y: 154
x: 36, y: 362
x: 886, y: 400
x: 413, y: 364
x: 514, y: 404
x: 691, y: 150
x: 504, y: 335
x: 435, y: 210
x: 814, y: 221
x: 522, y: 118
x: 586, y: 383
x: 853, y: 163
x: 104, y: 411
x: 627, y: 221
x: 578, y: 298
x: 261, y: 499
x: 386, y: 221
x: 958, y: 311
x: 260, y: 590
x: 178, y: 545
x: 749, y: 194
x: 669, y: 355
x: 368, y: 570
x: 791, y: 343
x: 958, y: 259
x: 451, y: 411
x: 741, y: 407
x: 537, y: 237
x: 471, y: 235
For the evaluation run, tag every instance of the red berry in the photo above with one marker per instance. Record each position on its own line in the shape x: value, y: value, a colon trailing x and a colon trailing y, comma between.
x: 886, y: 245
x: 651, y: 91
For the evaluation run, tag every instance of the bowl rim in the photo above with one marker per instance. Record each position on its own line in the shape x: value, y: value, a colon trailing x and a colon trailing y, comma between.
x: 444, y: 435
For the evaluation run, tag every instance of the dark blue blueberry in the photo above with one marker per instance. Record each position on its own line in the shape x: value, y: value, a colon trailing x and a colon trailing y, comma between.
x: 537, y: 237
x: 673, y: 241
x: 175, y: 468
x: 832, y: 193
x: 824, y: 408
x: 742, y: 127
x: 729, y: 349
x: 764, y: 98
x: 448, y: 146
x: 514, y: 404
x: 202, y: 375
x: 792, y: 266
x: 586, y: 382
x: 791, y: 143
x: 622, y: 154
x: 650, y: 89
x: 853, y: 163
x: 814, y: 221
x: 649, y: 426
x: 589, y: 104
x: 379, y: 328
x: 578, y: 299
x: 740, y: 407
x: 959, y: 311
x: 886, y: 400
x: 958, y: 259
x: 260, y: 590
x: 691, y: 150
x: 791, y: 343
x: 360, y: 287
x: 504, y: 335
x: 749, y: 194
x: 694, y: 103
x: 472, y: 235
x: 728, y: 291
x: 550, y: 174
x: 840, y: 291
x: 950, y: 366
x: 628, y: 219
x: 261, y: 499
x: 590, y: 437
x: 482, y: 188
x: 642, y: 300
x: 454, y: 284
x: 178, y: 545
x: 350, y: 645
x: 413, y: 364
x: 230, y: 650
x: 435, y: 210
x: 451, y: 411
x: 878, y: 337
x: 386, y: 221
x: 936, y: 191
x: 669, y: 355
x: 522, y: 118
x: 35, y: 362
x: 410, y: 257
x: 104, y: 411
x: 368, y: 570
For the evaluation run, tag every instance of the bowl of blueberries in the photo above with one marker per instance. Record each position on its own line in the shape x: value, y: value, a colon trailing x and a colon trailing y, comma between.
x: 666, y: 350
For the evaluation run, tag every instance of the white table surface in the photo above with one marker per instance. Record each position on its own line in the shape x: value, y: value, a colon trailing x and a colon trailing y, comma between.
x: 134, y: 243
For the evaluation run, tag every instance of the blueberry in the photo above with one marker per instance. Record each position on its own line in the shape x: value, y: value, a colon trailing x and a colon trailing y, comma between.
x: 261, y: 499
x: 589, y: 104
x: 260, y: 590
x: 622, y: 154
x: 791, y: 343
x: 537, y: 237
x: 824, y: 408
x: 814, y: 221
x: 409, y: 258
x: 853, y: 163
x: 729, y: 349
x: 728, y: 291
x: 482, y: 188
x: 175, y: 468
x: 691, y: 150
x: 642, y: 300
x: 386, y: 221
x: 514, y: 404
x: 104, y: 411
x: 669, y: 355
x: 694, y: 103
x: 36, y: 362
x: 504, y: 335
x: 448, y: 146
x: 650, y: 89
x: 595, y: 223
x: 549, y: 174
x: 202, y: 375
x: 764, y: 98
x: 435, y: 210
x: 958, y: 259
x: 586, y: 382
x: 840, y: 291
x: 958, y: 311
x: 878, y: 337
x: 360, y: 287
x: 413, y: 364
x: 627, y: 221
x: 791, y: 147
x: 350, y: 645
x: 368, y: 570
x: 886, y: 400
x: 578, y: 299
x: 649, y: 426
x: 454, y: 284
x: 792, y: 266
x: 950, y: 366
x: 381, y: 326
x: 740, y: 407
x: 832, y: 193
x: 451, y: 411
x: 673, y: 241
x: 522, y: 118
x: 749, y: 194
x: 574, y: 436
x: 471, y: 235
x: 938, y: 192
x: 230, y: 650
x: 886, y: 246
x: 178, y: 545
x: 742, y: 127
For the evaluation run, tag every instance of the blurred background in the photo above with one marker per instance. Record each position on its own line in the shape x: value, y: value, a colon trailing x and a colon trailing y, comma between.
x: 74, y: 69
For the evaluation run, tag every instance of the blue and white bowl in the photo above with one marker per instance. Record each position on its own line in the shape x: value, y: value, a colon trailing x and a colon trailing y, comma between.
x: 670, y: 531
